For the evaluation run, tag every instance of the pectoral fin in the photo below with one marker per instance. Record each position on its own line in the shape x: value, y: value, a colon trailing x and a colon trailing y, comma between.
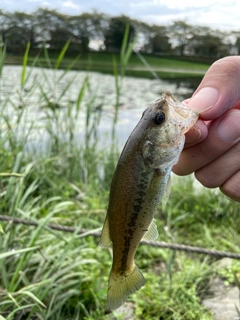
x: 152, y: 233
x: 105, y: 236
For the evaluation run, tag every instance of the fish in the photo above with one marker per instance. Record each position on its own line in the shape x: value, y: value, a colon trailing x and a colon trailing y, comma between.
x: 141, y: 179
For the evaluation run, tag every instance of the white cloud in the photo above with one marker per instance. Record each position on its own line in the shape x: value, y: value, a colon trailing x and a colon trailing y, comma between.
x: 140, y: 4
x: 70, y: 4
x: 223, y: 14
x: 219, y: 14
x: 182, y: 4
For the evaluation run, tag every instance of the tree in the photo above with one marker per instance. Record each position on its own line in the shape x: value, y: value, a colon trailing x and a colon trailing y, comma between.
x: 237, y: 44
x: 143, y: 32
x: 5, y: 20
x: 19, y: 31
x: 181, y: 33
x: 55, y: 29
x: 51, y: 26
x: 208, y: 43
x: 158, y: 40
x: 115, y: 33
x: 85, y: 27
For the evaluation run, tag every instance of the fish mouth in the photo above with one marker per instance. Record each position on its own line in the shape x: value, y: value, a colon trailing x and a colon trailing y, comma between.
x: 180, y: 114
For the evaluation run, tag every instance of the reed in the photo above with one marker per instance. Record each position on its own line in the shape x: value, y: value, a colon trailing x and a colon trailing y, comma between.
x: 65, y: 178
x: 45, y: 274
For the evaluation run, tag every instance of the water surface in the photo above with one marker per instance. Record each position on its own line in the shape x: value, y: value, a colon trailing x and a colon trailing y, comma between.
x: 50, y: 93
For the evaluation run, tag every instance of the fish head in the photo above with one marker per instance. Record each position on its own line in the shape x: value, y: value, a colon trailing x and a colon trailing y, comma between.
x: 163, y: 126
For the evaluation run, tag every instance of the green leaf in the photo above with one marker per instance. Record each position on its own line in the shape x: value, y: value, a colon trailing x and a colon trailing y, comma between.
x: 12, y: 253
x: 124, y: 43
x: 31, y: 295
x: 62, y: 54
x: 2, y: 56
x: 11, y: 315
x: 25, y: 60
x: 2, y: 232
x: 81, y: 93
x: 11, y: 174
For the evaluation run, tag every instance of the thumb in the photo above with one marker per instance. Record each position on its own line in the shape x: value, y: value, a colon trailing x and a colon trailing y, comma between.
x: 219, y: 89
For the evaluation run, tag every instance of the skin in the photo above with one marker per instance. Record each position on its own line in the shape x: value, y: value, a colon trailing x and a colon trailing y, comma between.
x: 212, y: 148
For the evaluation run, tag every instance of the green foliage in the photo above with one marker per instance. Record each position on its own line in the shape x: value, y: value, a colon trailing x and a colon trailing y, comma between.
x: 46, y: 274
x: 2, y: 56
x: 119, y: 34
x: 177, y: 295
x: 230, y: 273
x: 55, y: 29
x: 127, y: 64
x: 25, y: 59
x: 125, y: 54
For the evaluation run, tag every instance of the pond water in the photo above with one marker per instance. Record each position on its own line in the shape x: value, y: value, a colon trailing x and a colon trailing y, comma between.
x: 48, y: 93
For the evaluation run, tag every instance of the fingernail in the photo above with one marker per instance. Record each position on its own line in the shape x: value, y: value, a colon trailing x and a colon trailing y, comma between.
x: 204, y: 99
x: 228, y: 127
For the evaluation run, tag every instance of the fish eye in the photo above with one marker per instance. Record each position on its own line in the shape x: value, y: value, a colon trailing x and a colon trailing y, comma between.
x: 159, y: 117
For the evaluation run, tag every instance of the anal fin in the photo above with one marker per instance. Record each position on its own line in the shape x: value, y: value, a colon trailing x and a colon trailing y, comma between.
x: 152, y: 232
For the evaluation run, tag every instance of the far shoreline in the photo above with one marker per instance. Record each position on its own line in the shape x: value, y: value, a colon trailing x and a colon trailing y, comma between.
x: 167, y: 68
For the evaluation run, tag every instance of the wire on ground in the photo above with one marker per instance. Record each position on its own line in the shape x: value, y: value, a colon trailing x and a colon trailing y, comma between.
x: 97, y: 233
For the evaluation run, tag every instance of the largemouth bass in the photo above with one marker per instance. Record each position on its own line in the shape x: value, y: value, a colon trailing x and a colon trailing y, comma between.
x: 140, y: 181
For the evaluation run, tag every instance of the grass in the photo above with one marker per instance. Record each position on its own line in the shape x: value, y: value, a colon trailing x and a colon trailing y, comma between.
x: 103, y: 62
x: 46, y: 274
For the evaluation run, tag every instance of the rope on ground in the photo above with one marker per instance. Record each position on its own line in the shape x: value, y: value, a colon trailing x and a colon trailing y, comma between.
x: 96, y: 233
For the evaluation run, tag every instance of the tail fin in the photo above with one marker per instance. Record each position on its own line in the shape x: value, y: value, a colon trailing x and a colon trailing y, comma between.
x: 121, y: 287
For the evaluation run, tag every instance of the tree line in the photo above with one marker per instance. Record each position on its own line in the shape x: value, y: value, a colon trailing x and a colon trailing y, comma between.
x: 54, y: 29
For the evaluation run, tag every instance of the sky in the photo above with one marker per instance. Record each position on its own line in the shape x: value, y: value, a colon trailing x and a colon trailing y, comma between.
x: 220, y: 14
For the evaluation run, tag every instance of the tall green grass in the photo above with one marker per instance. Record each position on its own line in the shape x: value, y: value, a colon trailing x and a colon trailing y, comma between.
x: 46, y: 274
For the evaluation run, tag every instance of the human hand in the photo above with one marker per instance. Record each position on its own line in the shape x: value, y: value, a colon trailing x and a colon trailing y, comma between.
x: 212, y: 148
